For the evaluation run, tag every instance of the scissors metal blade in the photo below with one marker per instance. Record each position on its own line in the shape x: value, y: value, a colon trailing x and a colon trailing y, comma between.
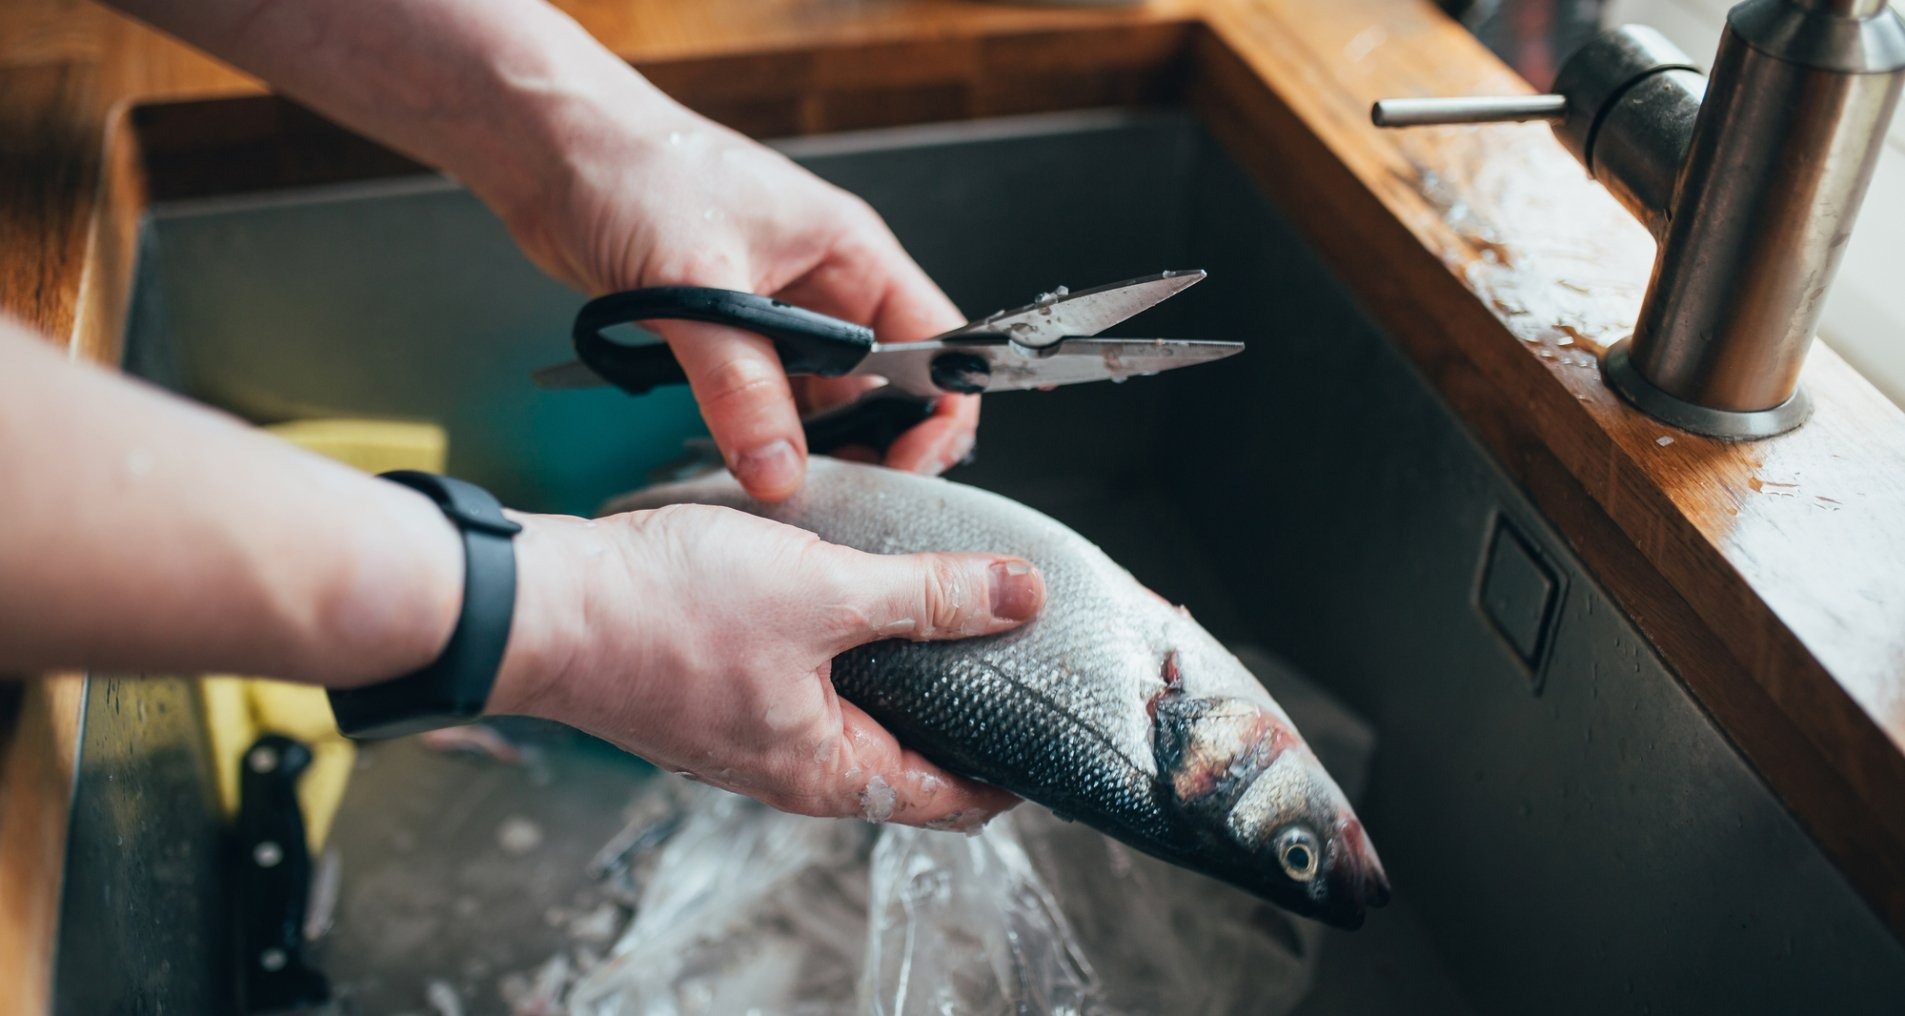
x: 995, y: 364
x: 1069, y: 318
x: 1086, y: 312
x: 565, y: 376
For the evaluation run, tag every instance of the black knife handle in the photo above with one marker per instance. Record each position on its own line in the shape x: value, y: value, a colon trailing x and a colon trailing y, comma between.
x: 274, y: 881
x: 807, y: 342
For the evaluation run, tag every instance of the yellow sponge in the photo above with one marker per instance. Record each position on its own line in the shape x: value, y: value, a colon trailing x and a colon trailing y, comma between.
x: 374, y: 446
x: 239, y: 709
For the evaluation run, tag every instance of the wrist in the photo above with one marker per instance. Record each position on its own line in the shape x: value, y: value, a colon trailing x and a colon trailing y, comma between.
x: 395, y: 604
x: 548, y: 627
x: 573, y: 107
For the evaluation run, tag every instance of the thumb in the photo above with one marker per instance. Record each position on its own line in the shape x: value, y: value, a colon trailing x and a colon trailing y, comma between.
x: 942, y: 596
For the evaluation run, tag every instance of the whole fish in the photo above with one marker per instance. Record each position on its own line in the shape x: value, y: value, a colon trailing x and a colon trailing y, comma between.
x: 1112, y: 708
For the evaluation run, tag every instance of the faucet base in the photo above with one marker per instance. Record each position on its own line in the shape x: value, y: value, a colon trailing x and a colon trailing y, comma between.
x: 1618, y: 370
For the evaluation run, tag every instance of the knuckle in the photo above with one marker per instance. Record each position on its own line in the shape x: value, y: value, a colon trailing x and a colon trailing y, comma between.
x: 741, y: 379
x: 807, y: 793
x: 836, y: 583
x: 702, y: 265
x: 677, y: 527
x: 845, y: 619
x: 949, y: 596
x: 861, y: 214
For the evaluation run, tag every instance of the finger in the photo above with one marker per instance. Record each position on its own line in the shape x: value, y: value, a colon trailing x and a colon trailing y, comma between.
x: 744, y: 396
x: 872, y: 279
x: 910, y: 305
x: 890, y: 783
x: 913, y: 307
x: 932, y: 596
x: 868, y: 277
x: 941, y: 441
x: 819, y: 394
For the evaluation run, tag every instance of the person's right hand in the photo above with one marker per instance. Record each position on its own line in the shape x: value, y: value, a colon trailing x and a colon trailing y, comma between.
x: 653, y: 195
x: 608, y: 184
x: 701, y: 639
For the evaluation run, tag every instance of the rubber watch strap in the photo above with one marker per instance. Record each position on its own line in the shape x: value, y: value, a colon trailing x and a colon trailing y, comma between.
x: 455, y: 688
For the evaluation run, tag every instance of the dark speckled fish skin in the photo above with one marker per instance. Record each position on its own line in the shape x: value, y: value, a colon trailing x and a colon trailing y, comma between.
x: 1113, y: 707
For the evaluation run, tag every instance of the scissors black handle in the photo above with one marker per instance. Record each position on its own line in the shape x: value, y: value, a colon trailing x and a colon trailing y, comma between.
x: 874, y: 421
x: 807, y: 342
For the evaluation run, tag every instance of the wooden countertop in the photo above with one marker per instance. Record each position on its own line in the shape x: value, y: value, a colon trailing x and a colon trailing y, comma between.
x: 1771, y: 576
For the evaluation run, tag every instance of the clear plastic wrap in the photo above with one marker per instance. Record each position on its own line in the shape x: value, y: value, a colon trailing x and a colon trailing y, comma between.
x: 963, y: 924
x: 747, y: 910
x: 741, y: 909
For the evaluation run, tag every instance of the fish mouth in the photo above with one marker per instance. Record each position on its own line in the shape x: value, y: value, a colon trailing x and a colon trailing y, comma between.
x: 1356, y: 880
x: 1353, y: 889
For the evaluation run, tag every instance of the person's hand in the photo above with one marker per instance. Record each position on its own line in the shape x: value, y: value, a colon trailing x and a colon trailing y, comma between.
x: 607, y: 184
x: 672, y: 199
x: 701, y: 639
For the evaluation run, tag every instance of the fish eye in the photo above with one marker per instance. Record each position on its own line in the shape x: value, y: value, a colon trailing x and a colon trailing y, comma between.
x: 1297, y: 852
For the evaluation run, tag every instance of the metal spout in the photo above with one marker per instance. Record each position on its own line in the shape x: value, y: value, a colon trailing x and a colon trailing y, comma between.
x: 1749, y: 180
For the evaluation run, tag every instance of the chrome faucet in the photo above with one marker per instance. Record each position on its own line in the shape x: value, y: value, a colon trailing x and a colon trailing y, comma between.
x: 1751, y: 193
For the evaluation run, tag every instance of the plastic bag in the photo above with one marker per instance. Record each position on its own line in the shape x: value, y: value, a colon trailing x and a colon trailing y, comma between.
x: 746, y: 910
x: 963, y: 924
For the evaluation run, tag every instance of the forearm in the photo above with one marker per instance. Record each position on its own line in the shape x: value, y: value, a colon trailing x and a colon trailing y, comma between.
x: 491, y: 91
x: 146, y: 533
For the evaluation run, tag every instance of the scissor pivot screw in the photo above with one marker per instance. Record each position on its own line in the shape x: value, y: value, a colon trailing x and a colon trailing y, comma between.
x: 965, y: 373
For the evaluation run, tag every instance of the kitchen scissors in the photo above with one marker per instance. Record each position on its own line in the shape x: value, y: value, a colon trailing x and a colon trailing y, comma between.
x: 1046, y: 343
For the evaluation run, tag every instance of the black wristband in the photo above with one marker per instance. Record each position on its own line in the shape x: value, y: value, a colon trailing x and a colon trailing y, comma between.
x: 455, y: 688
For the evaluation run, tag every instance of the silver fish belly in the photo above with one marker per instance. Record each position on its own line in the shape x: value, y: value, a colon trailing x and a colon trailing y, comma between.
x: 1113, y: 707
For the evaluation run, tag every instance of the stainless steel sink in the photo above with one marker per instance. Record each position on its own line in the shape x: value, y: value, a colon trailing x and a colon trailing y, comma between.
x: 1566, y: 830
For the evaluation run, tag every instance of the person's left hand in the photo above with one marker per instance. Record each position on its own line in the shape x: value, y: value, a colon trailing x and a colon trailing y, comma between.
x: 674, y: 199
x: 703, y: 640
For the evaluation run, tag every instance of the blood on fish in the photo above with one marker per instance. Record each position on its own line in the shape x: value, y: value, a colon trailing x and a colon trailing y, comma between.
x: 1209, y: 749
x: 1171, y: 676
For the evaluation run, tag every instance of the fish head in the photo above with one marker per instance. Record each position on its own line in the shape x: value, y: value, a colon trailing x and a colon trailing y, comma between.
x: 1260, y: 807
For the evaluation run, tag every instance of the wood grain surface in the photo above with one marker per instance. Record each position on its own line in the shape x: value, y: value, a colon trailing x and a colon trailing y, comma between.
x: 1771, y: 576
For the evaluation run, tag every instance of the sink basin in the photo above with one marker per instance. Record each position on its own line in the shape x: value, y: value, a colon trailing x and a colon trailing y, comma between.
x: 1565, y: 828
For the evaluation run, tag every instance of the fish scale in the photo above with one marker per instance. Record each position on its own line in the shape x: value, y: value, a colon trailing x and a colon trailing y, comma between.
x: 1074, y: 709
